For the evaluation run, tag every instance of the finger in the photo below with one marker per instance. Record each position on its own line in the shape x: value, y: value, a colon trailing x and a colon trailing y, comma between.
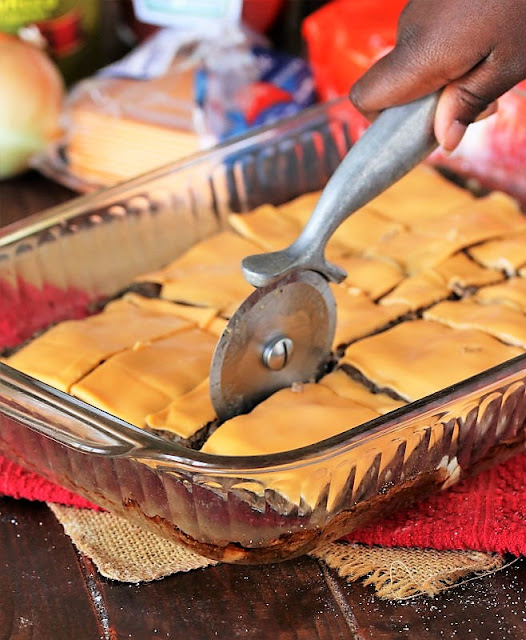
x: 398, y: 78
x: 465, y: 99
x: 387, y: 83
x: 489, y: 111
x: 450, y: 135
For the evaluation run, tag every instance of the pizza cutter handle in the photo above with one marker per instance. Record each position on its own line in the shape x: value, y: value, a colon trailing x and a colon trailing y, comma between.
x: 395, y: 143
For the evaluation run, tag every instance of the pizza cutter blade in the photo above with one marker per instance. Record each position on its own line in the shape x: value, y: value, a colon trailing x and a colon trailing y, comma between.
x: 280, y: 335
x: 283, y: 332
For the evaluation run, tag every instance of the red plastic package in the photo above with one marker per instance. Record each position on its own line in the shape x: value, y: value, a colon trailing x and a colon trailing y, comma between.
x: 345, y: 37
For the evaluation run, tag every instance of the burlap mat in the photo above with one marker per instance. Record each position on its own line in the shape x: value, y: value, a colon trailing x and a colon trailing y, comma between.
x: 124, y: 552
x: 398, y: 574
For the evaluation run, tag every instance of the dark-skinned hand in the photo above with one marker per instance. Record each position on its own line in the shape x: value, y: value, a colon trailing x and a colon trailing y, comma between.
x: 474, y: 49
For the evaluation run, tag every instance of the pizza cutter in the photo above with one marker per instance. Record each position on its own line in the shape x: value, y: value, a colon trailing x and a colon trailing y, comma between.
x: 282, y: 333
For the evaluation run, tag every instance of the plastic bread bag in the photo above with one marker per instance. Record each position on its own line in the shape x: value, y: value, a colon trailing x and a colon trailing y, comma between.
x: 176, y: 93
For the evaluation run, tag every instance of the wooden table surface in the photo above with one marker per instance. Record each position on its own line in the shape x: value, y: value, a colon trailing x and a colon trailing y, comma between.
x: 50, y: 592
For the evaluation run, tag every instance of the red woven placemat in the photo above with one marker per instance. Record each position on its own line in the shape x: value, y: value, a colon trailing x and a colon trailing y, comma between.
x: 486, y: 512
x: 17, y: 482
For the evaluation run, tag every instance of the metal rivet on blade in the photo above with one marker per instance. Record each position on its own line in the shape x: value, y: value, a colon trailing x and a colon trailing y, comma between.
x: 277, y: 353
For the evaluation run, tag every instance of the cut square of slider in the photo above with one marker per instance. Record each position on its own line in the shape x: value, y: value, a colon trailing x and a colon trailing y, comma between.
x: 343, y: 385
x: 209, y: 274
x: 371, y: 276
x: 422, y: 194
x: 186, y: 415
x: 70, y: 350
x: 357, y: 316
x: 417, y: 358
x: 418, y: 292
x: 511, y: 292
x: 498, y: 320
x: 461, y: 274
x: 290, y: 418
x: 507, y: 254
x: 144, y: 380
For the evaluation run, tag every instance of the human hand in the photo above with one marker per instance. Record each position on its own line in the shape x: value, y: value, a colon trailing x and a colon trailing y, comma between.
x: 474, y: 49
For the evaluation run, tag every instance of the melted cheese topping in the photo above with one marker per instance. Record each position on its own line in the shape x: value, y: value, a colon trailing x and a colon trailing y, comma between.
x: 410, y: 357
x: 342, y: 385
x: 203, y: 317
x: 508, y: 254
x: 267, y: 227
x: 141, y: 381
x: 209, y: 274
x: 358, y: 315
x: 369, y: 275
x: 187, y: 414
x: 156, y: 354
x: 289, y: 419
x: 460, y: 273
x: 503, y: 322
x: 430, y: 242
x: 68, y: 351
x: 420, y: 195
x: 511, y: 293
x: 418, y: 291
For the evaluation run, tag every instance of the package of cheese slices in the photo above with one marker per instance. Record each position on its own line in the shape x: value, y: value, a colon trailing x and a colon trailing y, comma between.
x: 177, y: 92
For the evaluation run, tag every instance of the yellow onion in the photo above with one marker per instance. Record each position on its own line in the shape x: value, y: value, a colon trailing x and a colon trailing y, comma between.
x: 31, y: 95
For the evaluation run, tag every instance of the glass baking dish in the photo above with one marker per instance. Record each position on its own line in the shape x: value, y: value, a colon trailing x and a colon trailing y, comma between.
x: 66, y: 260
